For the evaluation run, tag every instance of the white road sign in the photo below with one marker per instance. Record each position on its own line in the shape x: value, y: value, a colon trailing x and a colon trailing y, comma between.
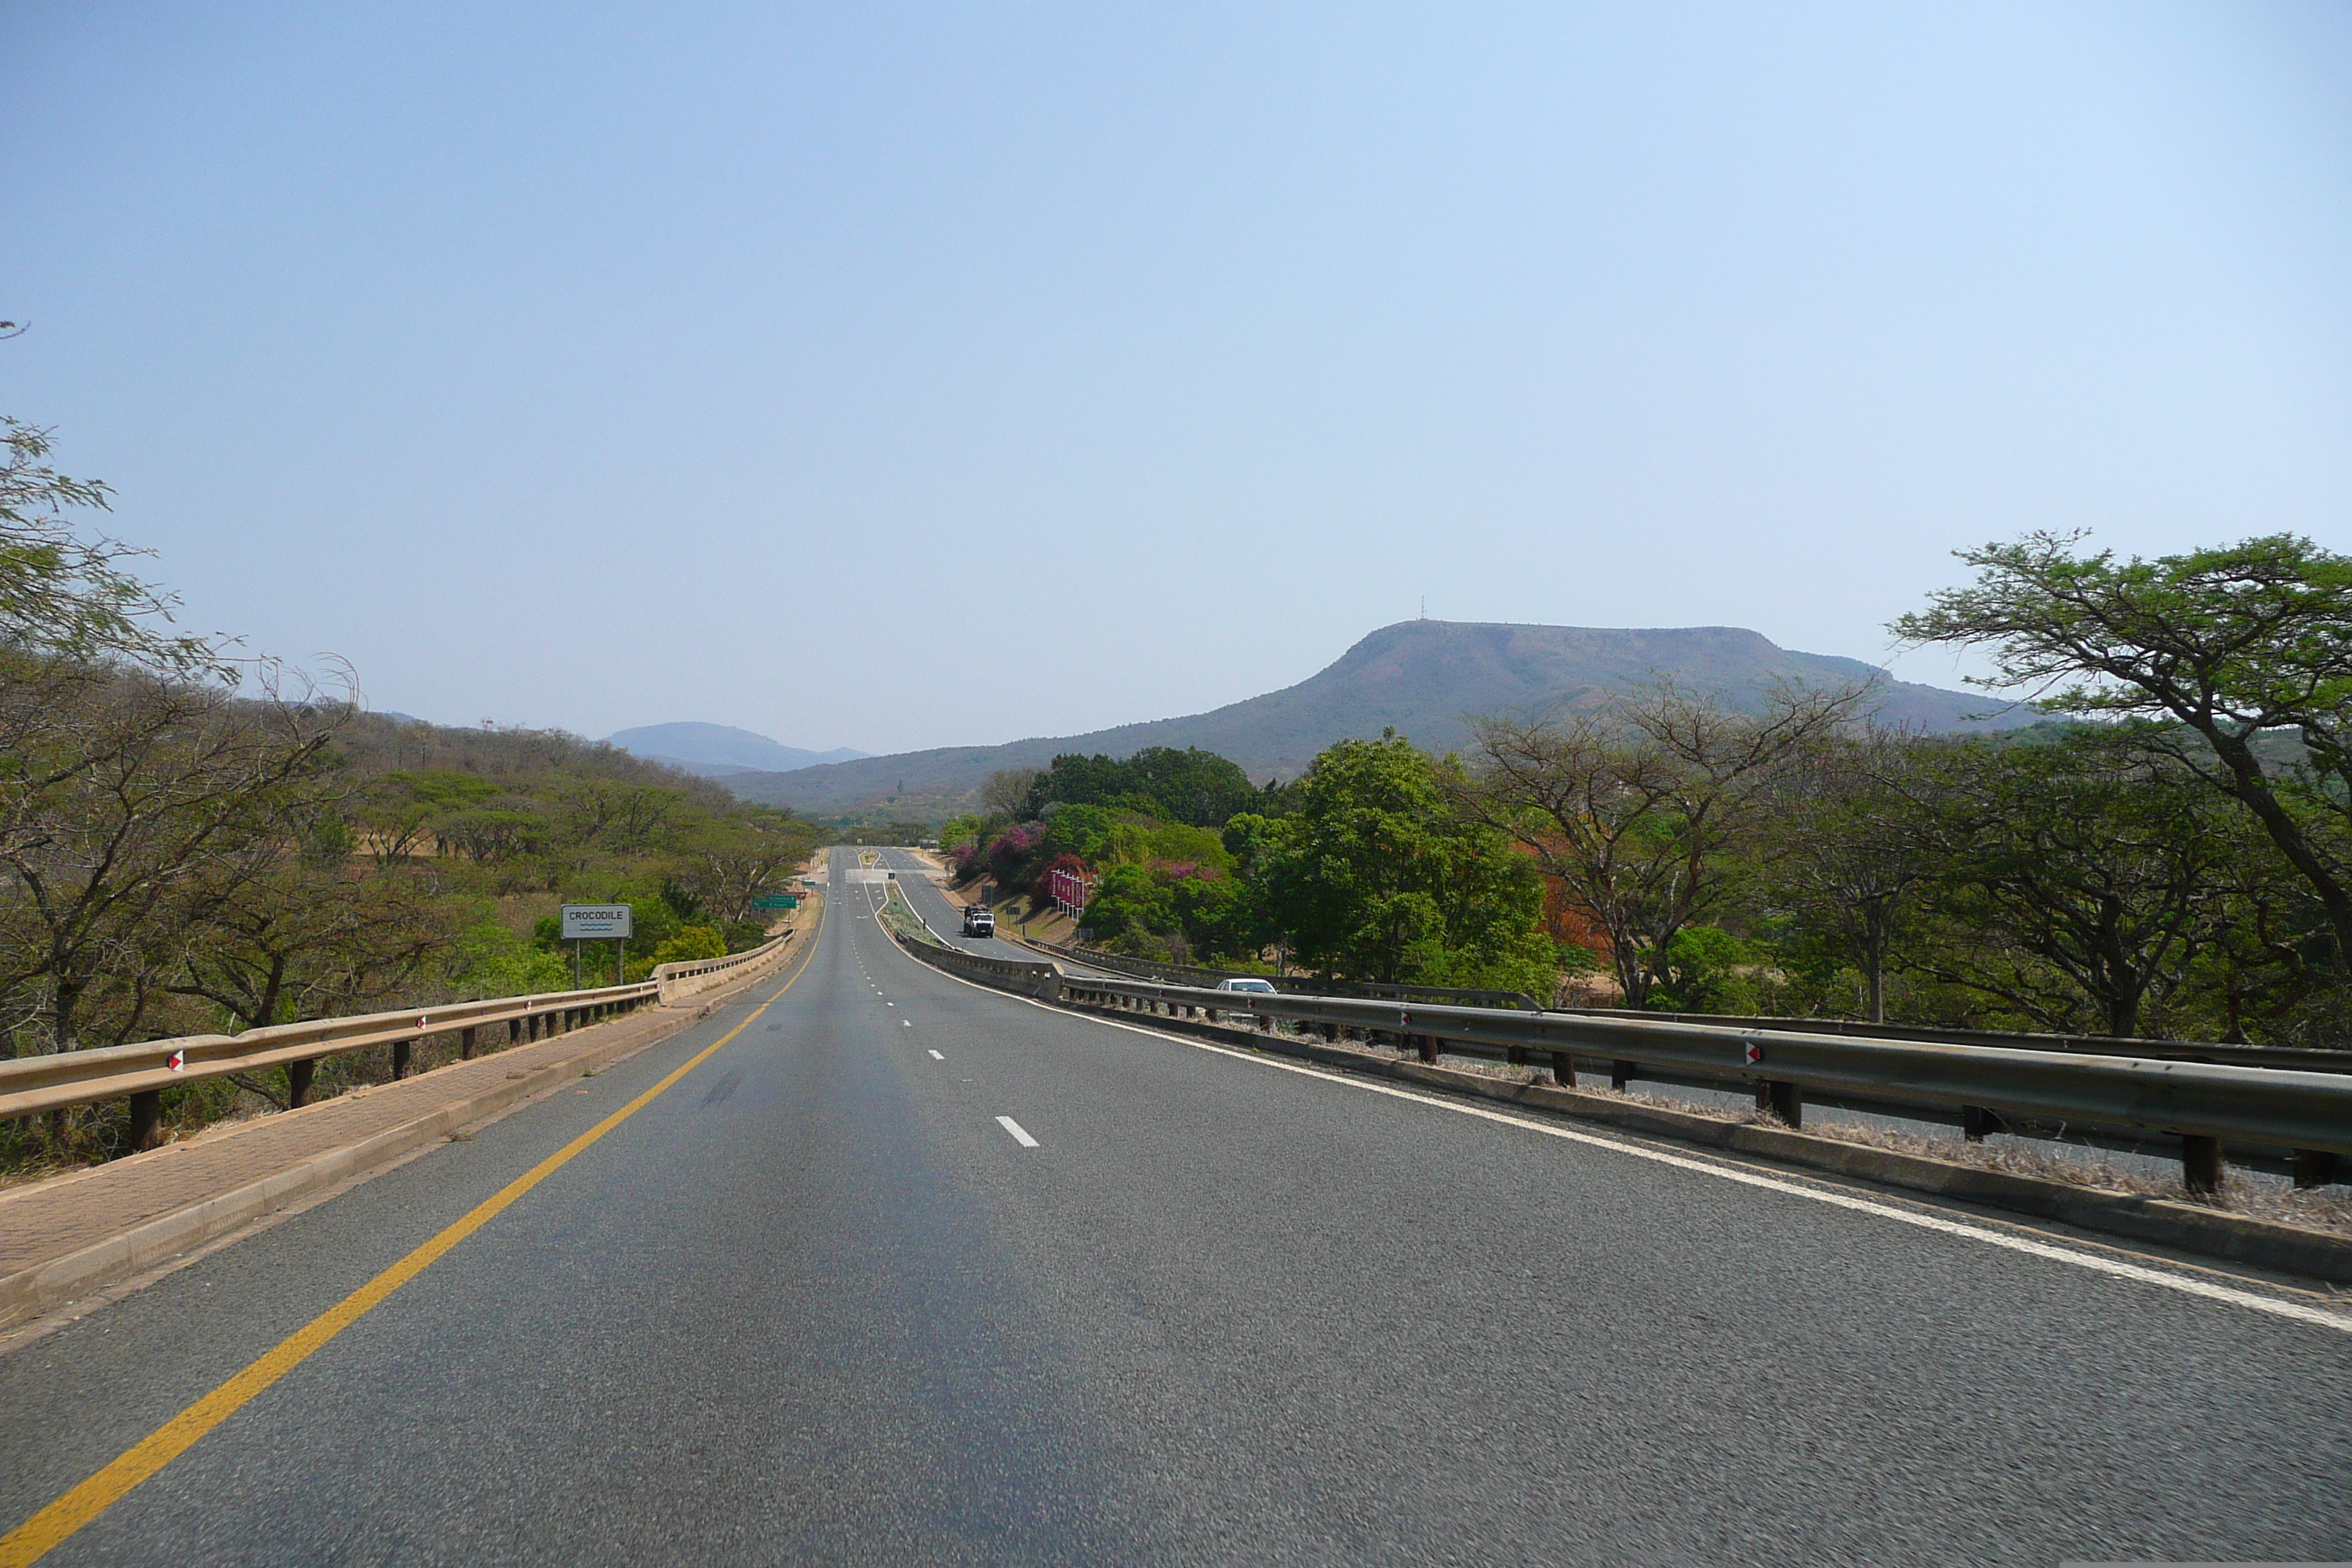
x: 595, y: 920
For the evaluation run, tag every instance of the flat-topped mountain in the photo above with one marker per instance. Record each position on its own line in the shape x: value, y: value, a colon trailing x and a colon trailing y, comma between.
x: 1428, y: 679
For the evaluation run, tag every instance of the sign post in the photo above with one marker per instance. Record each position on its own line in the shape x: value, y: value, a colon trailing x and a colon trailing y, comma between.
x: 592, y: 922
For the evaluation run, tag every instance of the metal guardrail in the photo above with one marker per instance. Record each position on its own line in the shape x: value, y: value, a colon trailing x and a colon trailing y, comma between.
x: 2204, y: 1104
x: 1300, y: 984
x: 2308, y: 1058
x: 2303, y: 1058
x: 141, y: 1071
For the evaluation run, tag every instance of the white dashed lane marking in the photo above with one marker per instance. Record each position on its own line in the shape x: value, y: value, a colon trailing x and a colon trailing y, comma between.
x: 1020, y: 1135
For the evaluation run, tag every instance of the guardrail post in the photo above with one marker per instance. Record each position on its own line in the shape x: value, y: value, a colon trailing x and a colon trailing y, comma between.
x: 1621, y: 1073
x: 1428, y: 1047
x: 466, y: 1043
x: 1516, y: 1056
x: 1977, y: 1123
x: 146, y: 1117
x: 1784, y: 1101
x: 2314, y: 1167
x: 399, y: 1059
x: 2201, y: 1164
x: 297, y: 1081
x: 1563, y: 1069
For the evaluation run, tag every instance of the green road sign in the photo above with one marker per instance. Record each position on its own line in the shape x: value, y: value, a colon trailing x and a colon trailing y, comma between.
x: 775, y: 901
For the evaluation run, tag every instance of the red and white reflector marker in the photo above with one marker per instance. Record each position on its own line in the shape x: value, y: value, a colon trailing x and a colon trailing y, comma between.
x: 178, y: 1061
x: 423, y: 1022
x: 1755, y: 1052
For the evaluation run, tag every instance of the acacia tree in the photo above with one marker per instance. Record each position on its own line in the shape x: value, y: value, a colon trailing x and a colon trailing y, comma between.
x: 1638, y: 806
x: 2262, y: 963
x: 65, y: 595
x: 293, y: 938
x: 610, y: 814
x: 2228, y: 643
x: 117, y: 804
x: 1843, y: 851
x: 728, y: 864
x: 2080, y: 871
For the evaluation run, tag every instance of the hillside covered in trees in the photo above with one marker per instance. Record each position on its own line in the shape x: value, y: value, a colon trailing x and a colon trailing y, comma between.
x: 2166, y: 852
x: 192, y: 841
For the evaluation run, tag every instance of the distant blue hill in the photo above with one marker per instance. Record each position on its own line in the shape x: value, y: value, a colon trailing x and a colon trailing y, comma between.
x: 716, y: 751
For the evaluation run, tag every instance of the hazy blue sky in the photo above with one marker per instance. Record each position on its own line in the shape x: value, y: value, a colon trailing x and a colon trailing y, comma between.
x: 897, y: 376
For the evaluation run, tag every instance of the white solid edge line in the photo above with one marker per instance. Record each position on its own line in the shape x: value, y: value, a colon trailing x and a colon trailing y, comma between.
x: 2186, y: 1284
x: 1020, y: 1134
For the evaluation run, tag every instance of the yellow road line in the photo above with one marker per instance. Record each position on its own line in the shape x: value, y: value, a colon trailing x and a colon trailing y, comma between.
x: 37, y: 1535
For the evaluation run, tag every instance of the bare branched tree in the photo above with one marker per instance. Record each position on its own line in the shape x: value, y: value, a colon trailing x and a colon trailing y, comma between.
x: 119, y: 789
x: 1635, y: 806
x: 1005, y: 793
x: 270, y: 936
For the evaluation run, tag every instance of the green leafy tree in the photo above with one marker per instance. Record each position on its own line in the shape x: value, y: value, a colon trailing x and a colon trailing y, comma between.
x: 1704, y: 970
x: 691, y: 944
x: 2231, y: 644
x: 1126, y: 901
x: 1377, y: 876
x: 2082, y: 868
x: 64, y: 594
x: 1197, y: 788
x: 1844, y: 855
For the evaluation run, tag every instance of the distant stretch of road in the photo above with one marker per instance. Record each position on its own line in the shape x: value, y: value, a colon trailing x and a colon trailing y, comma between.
x: 909, y: 1271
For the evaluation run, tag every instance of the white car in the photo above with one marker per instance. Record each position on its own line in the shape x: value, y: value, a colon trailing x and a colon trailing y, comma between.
x: 1246, y: 985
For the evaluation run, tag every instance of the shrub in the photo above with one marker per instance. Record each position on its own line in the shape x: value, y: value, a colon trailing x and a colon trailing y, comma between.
x: 690, y: 944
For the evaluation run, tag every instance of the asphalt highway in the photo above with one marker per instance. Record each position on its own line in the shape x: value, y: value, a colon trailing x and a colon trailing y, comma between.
x: 913, y: 1271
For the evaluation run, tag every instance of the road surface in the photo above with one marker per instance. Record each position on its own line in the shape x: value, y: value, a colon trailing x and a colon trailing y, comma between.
x: 912, y: 1271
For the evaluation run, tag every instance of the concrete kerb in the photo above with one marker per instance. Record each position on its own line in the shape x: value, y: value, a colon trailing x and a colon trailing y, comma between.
x: 59, y: 1281
x: 2189, y: 1227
